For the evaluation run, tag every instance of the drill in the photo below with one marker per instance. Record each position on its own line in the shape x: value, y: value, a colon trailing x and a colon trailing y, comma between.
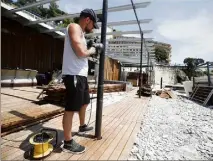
x: 95, y: 42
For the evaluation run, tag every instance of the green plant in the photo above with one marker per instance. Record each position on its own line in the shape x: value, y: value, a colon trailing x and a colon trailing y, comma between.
x: 161, y: 54
x: 191, y: 64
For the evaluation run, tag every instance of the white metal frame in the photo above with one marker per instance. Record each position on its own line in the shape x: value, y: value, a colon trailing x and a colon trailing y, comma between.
x: 99, y: 11
x: 119, y: 23
x: 124, y: 56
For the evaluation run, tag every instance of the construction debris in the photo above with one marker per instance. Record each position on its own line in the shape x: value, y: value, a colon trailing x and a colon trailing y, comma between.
x: 174, y: 129
x: 165, y: 93
x: 146, y: 90
x: 56, y: 92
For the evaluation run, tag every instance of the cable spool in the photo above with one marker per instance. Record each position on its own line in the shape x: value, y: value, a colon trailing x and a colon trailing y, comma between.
x: 41, y: 143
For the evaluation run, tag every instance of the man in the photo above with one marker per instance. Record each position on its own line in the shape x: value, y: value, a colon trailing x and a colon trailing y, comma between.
x: 75, y: 70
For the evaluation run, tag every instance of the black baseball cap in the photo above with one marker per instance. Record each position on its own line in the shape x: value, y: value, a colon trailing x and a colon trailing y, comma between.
x: 92, y: 15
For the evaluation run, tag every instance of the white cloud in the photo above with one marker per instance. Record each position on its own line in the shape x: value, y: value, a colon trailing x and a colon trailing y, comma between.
x: 193, y: 37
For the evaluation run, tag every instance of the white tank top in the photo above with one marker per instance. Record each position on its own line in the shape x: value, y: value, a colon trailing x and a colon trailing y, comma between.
x: 72, y: 64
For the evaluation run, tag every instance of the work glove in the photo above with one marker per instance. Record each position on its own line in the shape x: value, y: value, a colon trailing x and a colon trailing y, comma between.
x: 99, y: 47
x: 92, y: 51
x: 96, y: 49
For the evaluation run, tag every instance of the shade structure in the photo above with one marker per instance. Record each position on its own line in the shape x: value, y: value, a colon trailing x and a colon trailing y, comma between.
x: 99, y: 11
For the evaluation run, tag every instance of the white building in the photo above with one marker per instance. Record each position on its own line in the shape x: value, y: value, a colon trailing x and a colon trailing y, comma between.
x: 128, y: 49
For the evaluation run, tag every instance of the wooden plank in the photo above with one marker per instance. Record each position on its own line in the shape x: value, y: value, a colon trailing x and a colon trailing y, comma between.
x: 115, y: 121
x: 117, y: 126
x: 105, y: 125
x: 57, y: 156
x: 128, y: 146
x: 112, y: 111
x: 171, y: 94
x: 113, y: 143
x: 108, y: 112
x: 120, y: 147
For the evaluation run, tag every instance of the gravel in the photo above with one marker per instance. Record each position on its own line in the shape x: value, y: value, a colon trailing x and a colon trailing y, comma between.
x: 174, y: 129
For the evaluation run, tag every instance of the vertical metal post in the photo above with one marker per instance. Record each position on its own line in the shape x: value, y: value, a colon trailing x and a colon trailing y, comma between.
x: 101, y: 73
x: 140, y: 79
x: 148, y: 68
x: 141, y: 33
x: 208, y: 74
x: 161, y: 83
x: 193, y: 85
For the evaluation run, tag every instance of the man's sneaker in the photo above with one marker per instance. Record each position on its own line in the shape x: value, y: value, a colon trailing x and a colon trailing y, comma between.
x: 73, y: 147
x: 83, y: 129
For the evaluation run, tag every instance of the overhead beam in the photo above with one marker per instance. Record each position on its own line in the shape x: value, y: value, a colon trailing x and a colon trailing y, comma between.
x: 134, y: 65
x: 128, y: 57
x: 129, y: 40
x: 119, y: 33
x: 133, y: 55
x: 129, y: 45
x: 120, y: 23
x: 38, y: 3
x: 131, y: 22
x: 99, y: 11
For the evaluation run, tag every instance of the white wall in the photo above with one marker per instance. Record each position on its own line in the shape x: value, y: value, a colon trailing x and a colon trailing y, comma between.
x: 167, y: 73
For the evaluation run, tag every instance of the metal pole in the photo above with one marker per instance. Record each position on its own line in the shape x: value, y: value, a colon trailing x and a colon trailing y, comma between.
x: 148, y: 68
x: 208, y: 74
x: 161, y: 83
x: 141, y: 33
x: 101, y: 73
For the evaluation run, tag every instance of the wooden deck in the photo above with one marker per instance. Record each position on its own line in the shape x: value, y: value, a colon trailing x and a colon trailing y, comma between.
x: 20, y: 106
x: 120, y: 123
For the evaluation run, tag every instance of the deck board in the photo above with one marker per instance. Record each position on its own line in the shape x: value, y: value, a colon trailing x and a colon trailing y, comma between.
x: 120, y: 123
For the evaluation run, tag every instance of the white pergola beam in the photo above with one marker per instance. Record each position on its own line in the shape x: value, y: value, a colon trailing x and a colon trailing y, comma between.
x: 131, y: 22
x: 99, y: 11
x: 120, y: 23
x: 117, y: 33
x: 129, y: 40
x: 31, y: 5
x: 129, y: 54
x: 129, y: 45
x: 128, y: 48
x: 120, y: 33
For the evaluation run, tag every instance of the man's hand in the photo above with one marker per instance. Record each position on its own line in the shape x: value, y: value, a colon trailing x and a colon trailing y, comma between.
x: 92, y: 51
x: 96, y: 48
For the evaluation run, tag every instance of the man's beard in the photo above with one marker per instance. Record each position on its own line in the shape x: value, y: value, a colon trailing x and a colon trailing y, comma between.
x: 87, y: 30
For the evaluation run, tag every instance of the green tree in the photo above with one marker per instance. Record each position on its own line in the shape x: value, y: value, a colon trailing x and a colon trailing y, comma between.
x: 161, y: 54
x: 23, y: 2
x: 43, y: 12
x: 8, y: 1
x: 191, y: 64
x: 52, y: 11
x: 66, y: 22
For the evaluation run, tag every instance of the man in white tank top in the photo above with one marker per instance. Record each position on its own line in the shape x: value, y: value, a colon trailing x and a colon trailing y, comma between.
x: 75, y: 70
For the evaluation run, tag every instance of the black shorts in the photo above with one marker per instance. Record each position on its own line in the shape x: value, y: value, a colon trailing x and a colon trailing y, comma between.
x: 77, y: 92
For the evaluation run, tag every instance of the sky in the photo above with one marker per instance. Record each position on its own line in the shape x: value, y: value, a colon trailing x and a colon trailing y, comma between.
x: 185, y: 24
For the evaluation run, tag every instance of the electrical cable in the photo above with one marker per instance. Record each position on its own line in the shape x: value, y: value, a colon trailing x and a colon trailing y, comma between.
x: 91, y: 108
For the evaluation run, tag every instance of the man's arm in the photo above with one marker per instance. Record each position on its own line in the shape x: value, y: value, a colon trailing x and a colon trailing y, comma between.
x: 75, y: 35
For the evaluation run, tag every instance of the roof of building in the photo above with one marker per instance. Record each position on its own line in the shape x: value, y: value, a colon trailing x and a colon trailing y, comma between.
x: 24, y: 17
